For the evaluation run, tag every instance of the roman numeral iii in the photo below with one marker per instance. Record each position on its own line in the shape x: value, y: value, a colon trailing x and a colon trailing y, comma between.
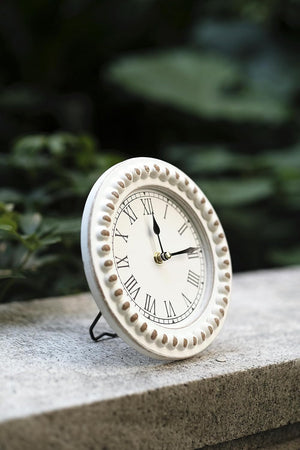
x: 194, y: 254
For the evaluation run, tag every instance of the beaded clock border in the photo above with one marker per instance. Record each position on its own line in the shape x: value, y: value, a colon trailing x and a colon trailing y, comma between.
x: 124, y: 180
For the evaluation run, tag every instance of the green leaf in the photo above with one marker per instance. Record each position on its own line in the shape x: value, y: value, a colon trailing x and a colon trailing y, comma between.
x: 199, y: 83
x: 58, y: 143
x: 86, y: 154
x: 266, y: 62
x: 32, y: 242
x: 30, y: 145
x: 49, y: 240
x: 285, y: 161
x: 37, y: 261
x: 64, y: 225
x: 80, y: 183
x: 198, y: 159
x: 236, y: 192
x: 8, y: 222
x: 29, y: 223
x: 30, y: 161
x: 9, y: 273
x: 10, y: 196
x: 104, y: 161
x: 5, y: 227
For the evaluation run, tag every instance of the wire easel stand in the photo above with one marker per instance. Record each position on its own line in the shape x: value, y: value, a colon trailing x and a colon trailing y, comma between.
x: 101, y: 335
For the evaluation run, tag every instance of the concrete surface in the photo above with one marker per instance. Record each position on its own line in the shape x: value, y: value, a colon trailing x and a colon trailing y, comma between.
x: 58, y: 389
x: 283, y: 438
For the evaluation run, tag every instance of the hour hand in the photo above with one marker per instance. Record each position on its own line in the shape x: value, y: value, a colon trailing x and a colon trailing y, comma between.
x: 156, y: 230
x: 188, y: 250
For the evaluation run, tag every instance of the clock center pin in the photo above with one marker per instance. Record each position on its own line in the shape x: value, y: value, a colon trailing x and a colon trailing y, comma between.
x: 160, y: 257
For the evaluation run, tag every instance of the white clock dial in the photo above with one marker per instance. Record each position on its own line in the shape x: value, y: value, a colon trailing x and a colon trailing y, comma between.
x: 156, y: 258
x: 166, y: 293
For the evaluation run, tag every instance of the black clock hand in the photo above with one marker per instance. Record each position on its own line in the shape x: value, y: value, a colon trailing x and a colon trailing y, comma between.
x: 186, y: 250
x: 156, y: 230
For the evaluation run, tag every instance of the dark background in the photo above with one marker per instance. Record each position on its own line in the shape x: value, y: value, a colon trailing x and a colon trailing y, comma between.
x: 212, y: 87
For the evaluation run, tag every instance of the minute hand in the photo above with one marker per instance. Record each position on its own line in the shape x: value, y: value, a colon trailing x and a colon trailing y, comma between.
x: 186, y: 250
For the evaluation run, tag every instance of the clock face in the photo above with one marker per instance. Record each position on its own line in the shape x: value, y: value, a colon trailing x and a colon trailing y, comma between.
x: 166, y: 293
x: 156, y: 258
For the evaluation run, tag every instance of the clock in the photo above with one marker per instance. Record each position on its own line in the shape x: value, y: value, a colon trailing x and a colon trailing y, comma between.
x: 156, y: 258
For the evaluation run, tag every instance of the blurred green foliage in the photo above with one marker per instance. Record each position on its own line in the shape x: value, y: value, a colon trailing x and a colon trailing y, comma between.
x: 212, y: 87
x: 203, y: 84
x: 257, y: 197
x: 47, y: 179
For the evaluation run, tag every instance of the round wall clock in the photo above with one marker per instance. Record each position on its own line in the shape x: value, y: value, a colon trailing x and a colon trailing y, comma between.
x: 156, y: 258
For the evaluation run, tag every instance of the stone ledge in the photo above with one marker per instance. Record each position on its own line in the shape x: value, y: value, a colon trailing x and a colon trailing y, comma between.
x: 58, y: 389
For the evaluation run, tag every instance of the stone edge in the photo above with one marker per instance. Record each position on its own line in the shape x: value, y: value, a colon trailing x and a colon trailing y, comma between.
x: 192, y: 415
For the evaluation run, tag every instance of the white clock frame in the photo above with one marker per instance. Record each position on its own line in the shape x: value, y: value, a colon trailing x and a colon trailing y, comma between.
x: 123, y: 316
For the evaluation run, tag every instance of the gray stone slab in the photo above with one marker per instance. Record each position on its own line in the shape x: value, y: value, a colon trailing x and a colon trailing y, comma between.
x: 58, y: 389
x: 283, y: 438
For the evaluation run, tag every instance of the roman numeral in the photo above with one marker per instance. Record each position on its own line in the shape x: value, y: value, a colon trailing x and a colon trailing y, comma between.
x: 131, y: 286
x: 169, y: 309
x: 194, y: 254
x: 150, y: 306
x: 124, y: 236
x: 166, y: 209
x: 148, y: 208
x: 187, y: 301
x: 193, y: 278
x: 130, y: 213
x: 122, y: 262
x: 182, y: 229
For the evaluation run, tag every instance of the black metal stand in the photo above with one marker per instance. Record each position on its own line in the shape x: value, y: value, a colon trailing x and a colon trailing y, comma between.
x: 100, y: 336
